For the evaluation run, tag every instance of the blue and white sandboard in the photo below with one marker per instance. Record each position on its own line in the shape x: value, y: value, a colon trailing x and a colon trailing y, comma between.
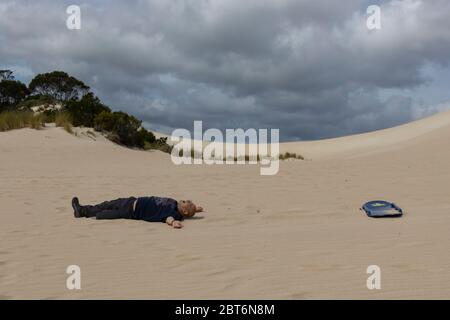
x: 382, y: 209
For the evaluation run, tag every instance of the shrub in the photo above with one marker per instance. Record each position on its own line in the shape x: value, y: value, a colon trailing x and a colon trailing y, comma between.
x: 288, y: 155
x: 285, y: 156
x: 126, y: 130
x: 159, y: 144
x: 198, y: 154
x: 50, y: 115
x: 104, y: 121
x: 38, y: 100
x: 123, y: 129
x: 145, y: 136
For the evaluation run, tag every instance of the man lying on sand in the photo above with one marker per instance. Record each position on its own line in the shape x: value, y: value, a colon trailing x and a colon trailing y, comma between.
x: 152, y: 209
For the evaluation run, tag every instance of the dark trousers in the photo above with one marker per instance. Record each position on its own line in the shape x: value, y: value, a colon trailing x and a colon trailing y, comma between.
x: 116, y: 209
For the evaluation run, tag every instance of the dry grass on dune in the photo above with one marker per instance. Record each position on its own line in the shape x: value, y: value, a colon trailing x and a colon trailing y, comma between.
x: 64, y: 120
x: 10, y: 120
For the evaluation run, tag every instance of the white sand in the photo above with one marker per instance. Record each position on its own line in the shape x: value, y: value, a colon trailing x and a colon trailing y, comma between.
x: 296, y: 235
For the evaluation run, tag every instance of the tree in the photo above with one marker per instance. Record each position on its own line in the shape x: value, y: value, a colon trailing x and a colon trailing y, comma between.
x: 11, y: 93
x: 58, y: 85
x: 6, y: 75
x: 83, y: 112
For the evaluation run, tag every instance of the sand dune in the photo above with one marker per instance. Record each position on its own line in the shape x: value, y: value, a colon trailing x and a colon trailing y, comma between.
x: 359, y: 144
x: 296, y: 235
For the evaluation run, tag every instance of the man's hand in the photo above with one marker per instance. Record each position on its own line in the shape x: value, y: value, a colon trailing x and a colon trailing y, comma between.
x: 174, y: 223
x: 177, y: 224
x: 170, y: 220
x: 198, y: 209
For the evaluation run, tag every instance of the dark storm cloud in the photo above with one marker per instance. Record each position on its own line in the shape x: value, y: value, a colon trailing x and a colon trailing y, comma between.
x: 310, y: 68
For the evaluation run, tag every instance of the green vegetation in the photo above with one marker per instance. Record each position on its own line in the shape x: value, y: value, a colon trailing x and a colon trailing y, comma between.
x: 85, y: 110
x: 159, y: 144
x: 37, y: 100
x: 64, y: 120
x: 10, y: 120
x: 80, y: 107
x: 126, y: 130
x: 288, y: 155
x: 58, y: 85
x: 11, y: 93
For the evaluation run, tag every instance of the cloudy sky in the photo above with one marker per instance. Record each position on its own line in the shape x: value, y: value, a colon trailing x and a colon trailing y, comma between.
x: 310, y: 68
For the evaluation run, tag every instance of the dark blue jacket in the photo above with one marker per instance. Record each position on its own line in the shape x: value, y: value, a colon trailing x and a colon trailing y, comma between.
x: 156, y: 209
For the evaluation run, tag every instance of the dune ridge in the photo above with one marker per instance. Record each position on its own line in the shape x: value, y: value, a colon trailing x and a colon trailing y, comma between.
x: 363, y: 143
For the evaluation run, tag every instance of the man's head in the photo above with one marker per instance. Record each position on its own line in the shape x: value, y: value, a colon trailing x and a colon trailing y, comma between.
x: 188, y: 209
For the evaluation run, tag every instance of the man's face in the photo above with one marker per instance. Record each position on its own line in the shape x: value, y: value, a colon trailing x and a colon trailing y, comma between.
x: 187, y: 208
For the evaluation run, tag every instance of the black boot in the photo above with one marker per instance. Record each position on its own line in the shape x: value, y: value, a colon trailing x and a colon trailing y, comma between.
x: 77, y: 210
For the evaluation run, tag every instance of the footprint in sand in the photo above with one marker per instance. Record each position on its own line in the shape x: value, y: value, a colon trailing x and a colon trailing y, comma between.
x: 189, y: 257
x: 252, y: 210
x: 217, y: 272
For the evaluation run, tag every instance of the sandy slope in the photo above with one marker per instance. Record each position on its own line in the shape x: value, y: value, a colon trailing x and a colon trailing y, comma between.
x: 297, y: 235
